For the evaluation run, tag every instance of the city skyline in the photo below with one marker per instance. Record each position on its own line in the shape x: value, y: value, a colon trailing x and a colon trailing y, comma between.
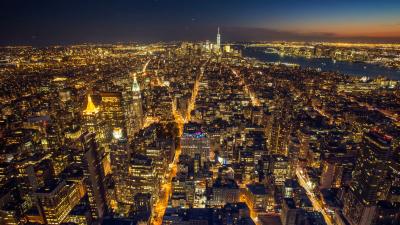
x: 75, y: 22
x: 199, y: 112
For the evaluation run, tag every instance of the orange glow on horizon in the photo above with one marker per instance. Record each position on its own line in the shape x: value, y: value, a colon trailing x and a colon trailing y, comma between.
x: 346, y: 29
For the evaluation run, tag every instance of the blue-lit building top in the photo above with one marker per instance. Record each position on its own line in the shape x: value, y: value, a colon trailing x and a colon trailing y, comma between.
x: 194, y: 130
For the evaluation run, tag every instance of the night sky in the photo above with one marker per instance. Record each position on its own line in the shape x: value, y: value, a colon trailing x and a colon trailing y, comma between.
x: 38, y: 22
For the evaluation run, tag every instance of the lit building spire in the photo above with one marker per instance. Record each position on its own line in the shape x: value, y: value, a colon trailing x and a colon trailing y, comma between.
x: 90, y: 107
x: 218, y: 39
x: 135, y: 84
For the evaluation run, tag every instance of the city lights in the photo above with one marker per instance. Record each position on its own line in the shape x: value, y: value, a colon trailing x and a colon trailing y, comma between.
x: 241, y: 129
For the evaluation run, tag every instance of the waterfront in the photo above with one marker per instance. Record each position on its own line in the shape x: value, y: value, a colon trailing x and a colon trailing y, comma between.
x: 325, y: 64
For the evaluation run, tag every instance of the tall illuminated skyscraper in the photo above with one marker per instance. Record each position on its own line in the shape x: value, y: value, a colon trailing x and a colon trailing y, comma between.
x: 119, y: 164
x: 112, y: 112
x: 135, y: 111
x: 90, y: 107
x: 92, y: 121
x: 218, y: 39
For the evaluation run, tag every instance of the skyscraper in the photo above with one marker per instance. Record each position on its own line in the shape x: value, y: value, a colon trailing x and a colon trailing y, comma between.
x: 372, y: 167
x: 119, y: 164
x: 92, y: 164
x: 56, y: 199
x: 290, y: 213
x: 368, y: 184
x: 112, y: 112
x: 279, y: 126
x: 142, y: 176
x: 218, y: 40
x: 135, y: 111
x: 195, y: 141
x: 92, y: 121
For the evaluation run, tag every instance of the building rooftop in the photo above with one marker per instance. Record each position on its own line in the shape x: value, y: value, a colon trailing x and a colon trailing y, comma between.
x: 50, y: 186
x: 290, y: 203
x: 257, y: 189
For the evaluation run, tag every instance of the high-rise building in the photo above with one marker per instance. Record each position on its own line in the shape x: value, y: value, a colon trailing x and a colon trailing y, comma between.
x: 195, y: 141
x: 92, y: 121
x: 369, y: 184
x: 372, y: 167
x: 135, y: 110
x: 336, y: 172
x: 142, y: 176
x: 11, y: 207
x: 246, y: 159
x: 112, y: 112
x: 257, y: 197
x: 227, y: 48
x: 56, y: 199
x: 279, y: 127
x: 289, y: 214
x: 218, y: 40
x: 142, y: 205
x: 116, y: 162
x: 279, y: 168
x: 92, y: 164
x: 224, y: 191
x: 119, y: 164
x: 387, y: 213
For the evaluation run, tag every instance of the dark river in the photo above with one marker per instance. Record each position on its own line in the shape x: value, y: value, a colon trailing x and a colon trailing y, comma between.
x: 356, y: 69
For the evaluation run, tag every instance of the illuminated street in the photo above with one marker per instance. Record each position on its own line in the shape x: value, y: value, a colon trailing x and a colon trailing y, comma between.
x: 253, y: 214
x: 254, y: 100
x: 317, y: 204
x: 162, y: 201
x: 144, y: 70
